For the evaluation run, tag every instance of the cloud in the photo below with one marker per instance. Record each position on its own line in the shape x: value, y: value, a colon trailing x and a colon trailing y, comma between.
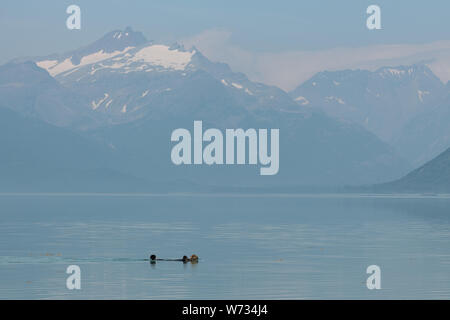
x: 289, y: 69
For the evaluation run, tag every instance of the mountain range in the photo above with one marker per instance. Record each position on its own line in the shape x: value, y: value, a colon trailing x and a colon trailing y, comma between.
x: 108, y: 109
x: 398, y: 104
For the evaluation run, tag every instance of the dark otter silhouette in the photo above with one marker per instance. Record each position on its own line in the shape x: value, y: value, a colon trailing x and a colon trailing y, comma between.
x: 185, y: 259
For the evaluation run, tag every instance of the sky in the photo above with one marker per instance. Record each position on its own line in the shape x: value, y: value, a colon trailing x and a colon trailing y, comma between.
x: 276, y: 42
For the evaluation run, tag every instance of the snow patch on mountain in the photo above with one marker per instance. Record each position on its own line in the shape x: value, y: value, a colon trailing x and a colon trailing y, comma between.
x: 398, y: 72
x: 47, y: 64
x: 421, y: 94
x: 95, y: 104
x: 150, y: 58
x: 108, y: 103
x: 302, y: 100
x: 336, y: 99
x: 57, y: 68
x: 119, y: 34
x: 393, y: 72
x: 54, y: 67
x: 161, y: 55
x: 101, y: 55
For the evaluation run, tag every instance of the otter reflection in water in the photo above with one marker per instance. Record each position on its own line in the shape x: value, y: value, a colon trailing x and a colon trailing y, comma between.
x: 185, y: 259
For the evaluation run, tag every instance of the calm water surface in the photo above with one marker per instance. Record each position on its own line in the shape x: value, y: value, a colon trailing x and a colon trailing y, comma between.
x: 260, y: 247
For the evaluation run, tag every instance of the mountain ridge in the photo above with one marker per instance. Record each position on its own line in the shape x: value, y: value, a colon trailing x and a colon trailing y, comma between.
x: 134, y: 99
x: 389, y: 102
x: 432, y: 177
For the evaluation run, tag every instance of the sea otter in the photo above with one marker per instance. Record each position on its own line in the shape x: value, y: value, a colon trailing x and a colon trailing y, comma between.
x: 185, y: 259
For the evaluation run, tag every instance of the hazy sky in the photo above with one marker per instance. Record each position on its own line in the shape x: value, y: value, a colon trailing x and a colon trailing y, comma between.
x: 264, y: 39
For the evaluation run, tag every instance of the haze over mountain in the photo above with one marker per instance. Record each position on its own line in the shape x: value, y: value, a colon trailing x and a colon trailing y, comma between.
x: 37, y: 156
x: 31, y: 91
x: 130, y: 94
x: 405, y: 106
x: 426, y: 135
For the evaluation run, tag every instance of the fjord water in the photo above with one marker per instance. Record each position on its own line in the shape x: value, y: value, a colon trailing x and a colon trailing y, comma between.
x: 250, y: 246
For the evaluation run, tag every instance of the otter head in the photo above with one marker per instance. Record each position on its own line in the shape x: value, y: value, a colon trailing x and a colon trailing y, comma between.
x: 152, y: 257
x: 194, y: 258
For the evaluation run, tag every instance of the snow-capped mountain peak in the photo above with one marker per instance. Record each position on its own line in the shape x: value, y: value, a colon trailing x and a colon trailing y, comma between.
x: 55, y: 66
x: 120, y: 51
x: 414, y: 71
x: 110, y: 45
x: 116, y: 40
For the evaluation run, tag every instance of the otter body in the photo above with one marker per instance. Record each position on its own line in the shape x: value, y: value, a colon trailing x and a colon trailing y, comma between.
x: 185, y: 259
